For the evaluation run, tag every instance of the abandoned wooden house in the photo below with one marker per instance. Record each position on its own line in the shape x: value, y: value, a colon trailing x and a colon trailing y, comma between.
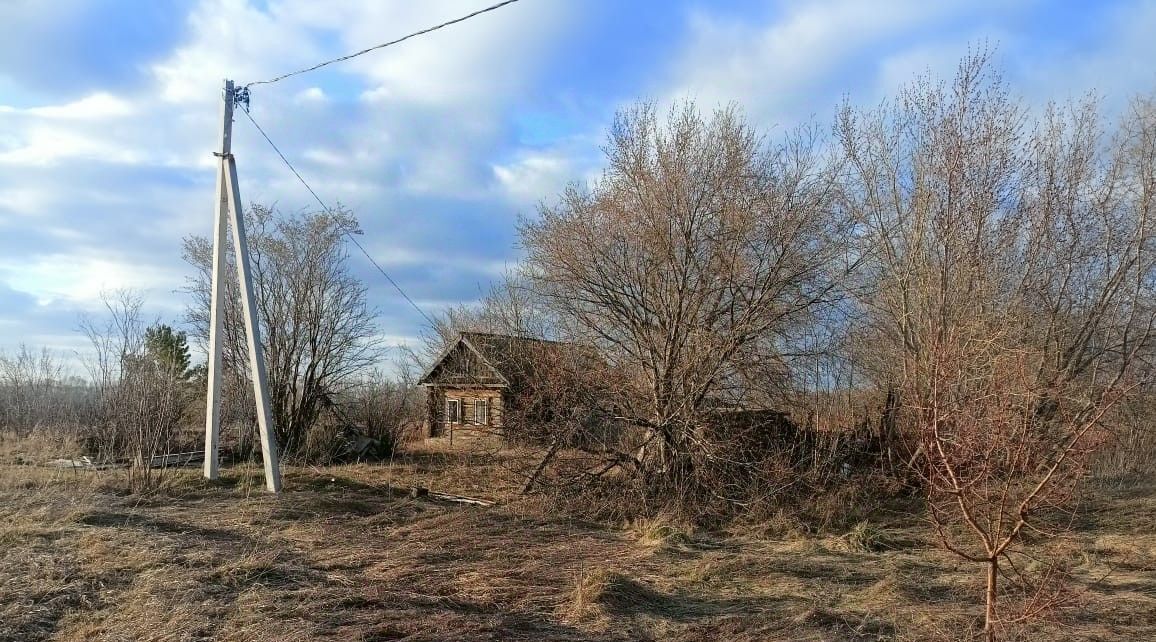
x: 479, y: 380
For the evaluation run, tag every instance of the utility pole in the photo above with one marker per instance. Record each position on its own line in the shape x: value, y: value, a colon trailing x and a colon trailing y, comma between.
x: 228, y: 211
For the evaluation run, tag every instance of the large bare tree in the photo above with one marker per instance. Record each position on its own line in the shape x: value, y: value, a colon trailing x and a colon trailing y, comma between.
x: 318, y: 331
x: 689, y: 263
x: 1007, y: 291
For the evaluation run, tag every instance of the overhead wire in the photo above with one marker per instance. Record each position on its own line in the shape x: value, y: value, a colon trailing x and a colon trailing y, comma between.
x: 326, y: 208
x: 243, y: 95
x: 383, y: 45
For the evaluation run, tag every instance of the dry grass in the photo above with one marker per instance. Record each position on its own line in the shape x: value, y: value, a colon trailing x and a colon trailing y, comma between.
x: 658, y: 532
x: 346, y: 554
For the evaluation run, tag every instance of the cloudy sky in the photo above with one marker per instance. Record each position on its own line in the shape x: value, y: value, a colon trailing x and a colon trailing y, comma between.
x: 109, y: 114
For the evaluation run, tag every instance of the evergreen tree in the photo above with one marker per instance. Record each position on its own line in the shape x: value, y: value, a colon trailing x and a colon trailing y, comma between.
x: 169, y: 351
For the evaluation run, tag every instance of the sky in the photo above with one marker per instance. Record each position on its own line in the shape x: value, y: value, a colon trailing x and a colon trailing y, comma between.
x: 109, y: 114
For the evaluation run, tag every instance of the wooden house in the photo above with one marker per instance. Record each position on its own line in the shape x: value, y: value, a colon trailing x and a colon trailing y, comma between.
x: 479, y: 377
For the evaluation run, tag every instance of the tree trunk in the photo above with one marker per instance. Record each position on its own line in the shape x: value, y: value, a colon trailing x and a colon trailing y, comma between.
x: 989, y: 599
x: 553, y: 450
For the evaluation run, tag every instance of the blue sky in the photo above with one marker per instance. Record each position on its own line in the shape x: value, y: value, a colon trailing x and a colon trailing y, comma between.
x: 108, y: 117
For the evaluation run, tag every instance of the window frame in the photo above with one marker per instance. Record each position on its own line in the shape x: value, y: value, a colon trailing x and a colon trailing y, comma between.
x: 454, y: 416
x: 482, y: 409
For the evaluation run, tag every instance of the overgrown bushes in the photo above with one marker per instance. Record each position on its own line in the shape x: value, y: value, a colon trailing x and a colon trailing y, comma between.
x: 143, y: 385
x: 37, y: 394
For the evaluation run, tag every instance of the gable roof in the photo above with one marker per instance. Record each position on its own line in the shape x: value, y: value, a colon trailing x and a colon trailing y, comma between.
x: 509, y: 358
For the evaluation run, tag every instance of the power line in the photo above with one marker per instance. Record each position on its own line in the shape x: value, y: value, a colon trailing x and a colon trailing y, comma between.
x: 327, y: 209
x: 383, y: 45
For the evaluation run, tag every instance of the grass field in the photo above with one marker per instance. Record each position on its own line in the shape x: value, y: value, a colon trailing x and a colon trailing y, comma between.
x: 346, y: 554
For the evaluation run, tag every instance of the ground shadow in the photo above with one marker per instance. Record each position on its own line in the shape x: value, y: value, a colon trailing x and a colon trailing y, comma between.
x: 102, y: 519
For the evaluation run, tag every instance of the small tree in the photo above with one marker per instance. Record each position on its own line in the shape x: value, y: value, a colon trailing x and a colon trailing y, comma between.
x: 168, y: 351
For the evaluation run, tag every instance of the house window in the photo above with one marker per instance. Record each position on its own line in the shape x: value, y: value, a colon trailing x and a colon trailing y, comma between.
x: 453, y: 411
x: 481, y: 414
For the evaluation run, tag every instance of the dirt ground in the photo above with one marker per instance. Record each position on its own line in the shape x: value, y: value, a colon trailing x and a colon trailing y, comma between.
x: 345, y: 553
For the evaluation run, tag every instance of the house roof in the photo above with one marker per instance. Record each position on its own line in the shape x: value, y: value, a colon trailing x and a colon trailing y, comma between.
x: 509, y: 358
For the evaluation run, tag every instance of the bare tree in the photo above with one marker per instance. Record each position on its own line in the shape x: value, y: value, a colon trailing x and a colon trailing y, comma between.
x: 1007, y: 281
x: 688, y: 265
x: 386, y: 408
x: 1131, y: 450
x: 142, y: 389
x: 317, y: 329
x: 33, y: 391
x: 508, y: 307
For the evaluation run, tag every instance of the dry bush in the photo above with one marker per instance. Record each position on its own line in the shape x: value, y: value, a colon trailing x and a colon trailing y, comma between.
x: 1006, y: 290
x: 1130, y: 451
x: 659, y: 531
x: 385, y: 410
x: 142, y: 385
x: 369, y: 421
x: 37, y: 394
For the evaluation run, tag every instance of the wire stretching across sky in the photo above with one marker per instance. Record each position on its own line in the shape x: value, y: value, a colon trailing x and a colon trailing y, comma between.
x: 341, y: 59
x: 382, y: 45
x: 327, y: 209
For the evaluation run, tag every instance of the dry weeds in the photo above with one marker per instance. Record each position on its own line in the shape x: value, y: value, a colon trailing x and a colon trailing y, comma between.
x: 346, y: 554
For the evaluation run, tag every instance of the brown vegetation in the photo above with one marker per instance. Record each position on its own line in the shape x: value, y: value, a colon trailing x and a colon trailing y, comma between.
x: 317, y: 329
x: 1007, y: 288
x: 698, y: 250
x: 346, y: 554
x: 141, y: 389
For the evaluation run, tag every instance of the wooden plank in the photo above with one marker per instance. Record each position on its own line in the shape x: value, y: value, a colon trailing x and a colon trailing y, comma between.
x: 173, y: 460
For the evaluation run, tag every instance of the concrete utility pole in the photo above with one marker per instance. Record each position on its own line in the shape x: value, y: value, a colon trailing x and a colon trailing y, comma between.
x: 229, y: 203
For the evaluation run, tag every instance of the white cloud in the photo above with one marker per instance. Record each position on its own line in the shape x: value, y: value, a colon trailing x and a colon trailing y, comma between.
x: 480, y: 59
x: 782, y: 72
x: 24, y: 200
x: 537, y: 175
x: 96, y: 106
x: 427, y: 110
x: 377, y: 95
x: 311, y: 95
x: 78, y: 278
x: 233, y: 39
x: 330, y: 157
x: 44, y: 135
x: 42, y: 146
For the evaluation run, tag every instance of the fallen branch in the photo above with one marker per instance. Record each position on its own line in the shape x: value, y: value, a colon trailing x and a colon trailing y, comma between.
x: 550, y: 453
x: 459, y: 499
